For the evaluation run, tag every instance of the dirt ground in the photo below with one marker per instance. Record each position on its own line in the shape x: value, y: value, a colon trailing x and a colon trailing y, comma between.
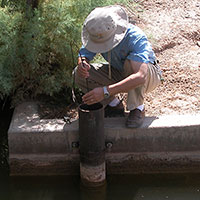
x: 173, y: 27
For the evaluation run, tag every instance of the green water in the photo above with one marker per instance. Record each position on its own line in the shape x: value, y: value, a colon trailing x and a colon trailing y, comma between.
x: 119, y: 187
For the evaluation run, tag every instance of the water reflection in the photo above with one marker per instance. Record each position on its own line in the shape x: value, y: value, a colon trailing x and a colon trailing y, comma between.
x: 164, y: 193
x: 93, y: 193
x: 122, y: 187
x: 4, y: 187
x: 146, y: 187
x: 45, y: 188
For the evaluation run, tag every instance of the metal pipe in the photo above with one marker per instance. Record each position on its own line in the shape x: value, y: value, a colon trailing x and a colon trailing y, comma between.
x: 92, y: 144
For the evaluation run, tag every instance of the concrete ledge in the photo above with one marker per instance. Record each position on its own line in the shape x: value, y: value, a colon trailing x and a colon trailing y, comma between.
x: 50, y: 147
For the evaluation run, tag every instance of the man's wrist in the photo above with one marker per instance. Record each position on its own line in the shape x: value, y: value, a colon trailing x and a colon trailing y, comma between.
x: 106, y: 92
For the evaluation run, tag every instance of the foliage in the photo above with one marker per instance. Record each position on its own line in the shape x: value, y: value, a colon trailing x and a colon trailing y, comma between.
x: 38, y: 48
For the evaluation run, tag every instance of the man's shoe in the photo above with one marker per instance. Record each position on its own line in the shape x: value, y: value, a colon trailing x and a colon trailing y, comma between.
x: 135, y: 118
x: 116, y: 111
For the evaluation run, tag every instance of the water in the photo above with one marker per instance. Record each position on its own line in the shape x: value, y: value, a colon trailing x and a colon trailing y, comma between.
x: 118, y: 187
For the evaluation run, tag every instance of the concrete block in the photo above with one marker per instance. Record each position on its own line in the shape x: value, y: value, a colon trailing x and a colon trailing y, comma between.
x: 50, y: 147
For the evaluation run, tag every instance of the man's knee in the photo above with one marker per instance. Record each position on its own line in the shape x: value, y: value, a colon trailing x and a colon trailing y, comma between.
x: 153, y: 78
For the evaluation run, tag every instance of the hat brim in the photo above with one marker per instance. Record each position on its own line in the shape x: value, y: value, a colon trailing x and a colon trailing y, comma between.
x: 114, y: 40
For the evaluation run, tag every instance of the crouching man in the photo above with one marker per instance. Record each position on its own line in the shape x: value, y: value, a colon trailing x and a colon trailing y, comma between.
x: 131, y: 68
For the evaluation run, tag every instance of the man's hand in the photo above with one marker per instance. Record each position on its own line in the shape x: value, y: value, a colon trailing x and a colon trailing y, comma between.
x: 94, y: 96
x: 83, y: 67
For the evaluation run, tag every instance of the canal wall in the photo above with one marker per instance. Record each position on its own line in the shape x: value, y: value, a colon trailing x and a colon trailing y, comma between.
x: 164, y: 144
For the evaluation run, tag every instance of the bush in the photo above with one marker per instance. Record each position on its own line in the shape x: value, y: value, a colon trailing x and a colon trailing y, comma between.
x: 38, y: 49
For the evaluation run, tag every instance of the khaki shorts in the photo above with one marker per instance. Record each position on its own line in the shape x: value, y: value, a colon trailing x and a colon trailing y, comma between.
x: 99, y: 77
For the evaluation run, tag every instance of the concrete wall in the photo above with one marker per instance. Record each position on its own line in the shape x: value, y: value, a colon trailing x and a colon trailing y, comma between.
x: 50, y: 147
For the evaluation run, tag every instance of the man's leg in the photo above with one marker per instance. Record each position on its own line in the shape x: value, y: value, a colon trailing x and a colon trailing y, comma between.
x: 135, y: 101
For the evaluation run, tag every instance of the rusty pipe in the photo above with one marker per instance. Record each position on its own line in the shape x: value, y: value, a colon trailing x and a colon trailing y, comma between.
x: 92, y: 144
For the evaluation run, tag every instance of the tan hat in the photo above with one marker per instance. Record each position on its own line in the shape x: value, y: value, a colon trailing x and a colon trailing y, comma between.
x: 104, y: 28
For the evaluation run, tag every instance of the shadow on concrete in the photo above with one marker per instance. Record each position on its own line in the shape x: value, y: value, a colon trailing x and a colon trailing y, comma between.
x: 148, y: 121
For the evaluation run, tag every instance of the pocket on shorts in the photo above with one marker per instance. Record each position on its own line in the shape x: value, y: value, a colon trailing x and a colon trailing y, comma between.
x: 154, y: 77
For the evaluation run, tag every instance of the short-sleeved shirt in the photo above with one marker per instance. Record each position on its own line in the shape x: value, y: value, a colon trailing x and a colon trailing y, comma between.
x: 134, y: 46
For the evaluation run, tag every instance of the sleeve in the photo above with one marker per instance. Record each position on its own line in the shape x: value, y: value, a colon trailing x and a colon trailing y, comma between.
x: 85, y: 53
x: 140, y: 50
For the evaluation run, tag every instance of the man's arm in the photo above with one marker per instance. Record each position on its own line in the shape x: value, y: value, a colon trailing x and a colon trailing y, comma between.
x: 83, y: 67
x: 137, y: 78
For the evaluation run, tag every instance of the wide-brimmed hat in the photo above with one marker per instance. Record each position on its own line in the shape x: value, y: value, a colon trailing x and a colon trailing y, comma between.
x: 104, y: 28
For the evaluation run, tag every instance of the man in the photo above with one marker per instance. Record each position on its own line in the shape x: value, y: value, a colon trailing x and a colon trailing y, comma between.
x: 132, y: 64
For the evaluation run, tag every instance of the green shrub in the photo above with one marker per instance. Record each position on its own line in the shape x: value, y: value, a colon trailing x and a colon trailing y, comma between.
x: 9, y: 26
x: 38, y: 49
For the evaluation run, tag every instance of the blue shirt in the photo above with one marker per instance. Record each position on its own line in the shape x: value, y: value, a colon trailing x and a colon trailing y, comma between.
x: 134, y: 46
